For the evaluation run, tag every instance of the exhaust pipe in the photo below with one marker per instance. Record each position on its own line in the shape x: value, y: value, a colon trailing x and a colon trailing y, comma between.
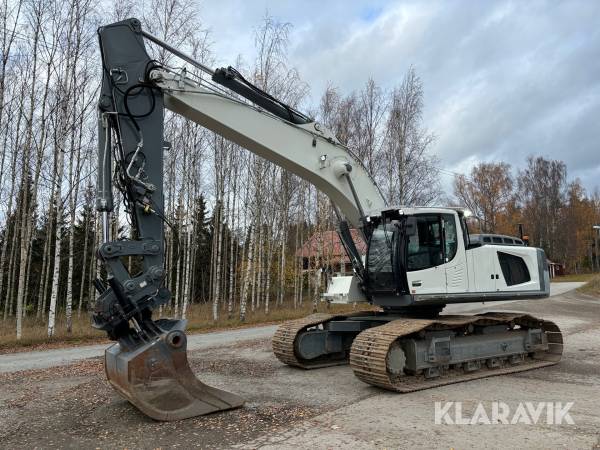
x: 156, y: 378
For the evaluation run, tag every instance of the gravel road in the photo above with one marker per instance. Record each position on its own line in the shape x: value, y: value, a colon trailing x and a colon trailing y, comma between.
x: 14, y: 362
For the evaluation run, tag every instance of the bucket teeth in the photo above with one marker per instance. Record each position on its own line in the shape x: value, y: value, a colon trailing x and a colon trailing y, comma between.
x: 157, y: 379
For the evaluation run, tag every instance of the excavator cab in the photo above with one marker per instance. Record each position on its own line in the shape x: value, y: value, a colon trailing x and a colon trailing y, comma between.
x: 423, y: 258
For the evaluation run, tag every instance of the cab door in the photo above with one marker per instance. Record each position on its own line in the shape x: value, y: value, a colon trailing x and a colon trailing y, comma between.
x: 455, y: 261
x: 426, y: 273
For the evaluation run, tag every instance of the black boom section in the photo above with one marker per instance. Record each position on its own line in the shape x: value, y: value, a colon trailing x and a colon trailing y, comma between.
x: 130, y: 133
x: 232, y: 79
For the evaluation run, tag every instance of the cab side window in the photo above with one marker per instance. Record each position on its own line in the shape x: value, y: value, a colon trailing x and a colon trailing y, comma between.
x: 425, y: 246
x: 450, y: 239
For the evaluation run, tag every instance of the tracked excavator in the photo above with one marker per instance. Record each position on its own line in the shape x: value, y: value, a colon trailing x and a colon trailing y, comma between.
x: 418, y: 260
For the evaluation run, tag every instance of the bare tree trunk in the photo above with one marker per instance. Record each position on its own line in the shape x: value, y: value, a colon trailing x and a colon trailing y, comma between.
x: 257, y: 252
x: 11, y: 289
x: 69, y: 296
x: 57, y: 252
x: 224, y: 255
x: 317, y: 281
x: 218, y: 256
x: 41, y: 293
x: 169, y: 258
x: 7, y: 239
x: 27, y: 274
x: 268, y: 270
x: 213, y: 258
x: 12, y: 268
x: 243, y: 299
x: 282, y: 266
x: 84, y: 268
x: 59, y: 206
x: 260, y: 265
x: 26, y: 213
x: 232, y: 256
x: 301, y: 293
x: 296, y: 263
x: 186, y: 285
x: 189, y: 246
x: 74, y: 191
x: 46, y: 273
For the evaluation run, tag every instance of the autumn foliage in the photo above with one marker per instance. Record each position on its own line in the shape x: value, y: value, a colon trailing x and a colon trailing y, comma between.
x: 556, y: 214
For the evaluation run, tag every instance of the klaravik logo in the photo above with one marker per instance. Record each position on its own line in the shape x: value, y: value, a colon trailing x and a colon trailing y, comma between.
x: 529, y: 413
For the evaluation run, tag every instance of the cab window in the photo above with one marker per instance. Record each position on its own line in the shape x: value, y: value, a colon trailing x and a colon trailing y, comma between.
x: 450, y: 238
x: 379, y: 259
x: 425, y: 246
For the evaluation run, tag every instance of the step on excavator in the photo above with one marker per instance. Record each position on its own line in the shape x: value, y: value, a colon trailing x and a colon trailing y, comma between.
x: 418, y: 260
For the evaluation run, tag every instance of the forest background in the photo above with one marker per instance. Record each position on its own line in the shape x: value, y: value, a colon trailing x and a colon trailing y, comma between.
x: 237, y: 221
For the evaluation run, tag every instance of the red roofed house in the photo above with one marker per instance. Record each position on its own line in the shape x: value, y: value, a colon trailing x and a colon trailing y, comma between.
x: 325, y: 249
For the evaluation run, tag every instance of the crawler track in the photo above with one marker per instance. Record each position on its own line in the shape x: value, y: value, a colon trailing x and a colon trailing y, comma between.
x: 368, y: 356
x: 284, y: 340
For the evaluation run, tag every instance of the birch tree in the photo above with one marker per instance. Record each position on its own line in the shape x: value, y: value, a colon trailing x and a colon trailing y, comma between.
x: 66, y: 84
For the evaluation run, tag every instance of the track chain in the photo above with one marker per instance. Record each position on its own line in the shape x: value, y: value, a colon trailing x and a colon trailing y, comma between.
x: 368, y: 356
x: 284, y: 340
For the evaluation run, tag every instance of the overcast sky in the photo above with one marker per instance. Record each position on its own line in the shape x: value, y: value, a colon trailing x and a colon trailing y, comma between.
x: 502, y: 80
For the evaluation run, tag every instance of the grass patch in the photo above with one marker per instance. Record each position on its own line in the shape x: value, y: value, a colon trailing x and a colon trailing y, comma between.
x: 592, y: 287
x: 577, y: 277
x: 35, y: 332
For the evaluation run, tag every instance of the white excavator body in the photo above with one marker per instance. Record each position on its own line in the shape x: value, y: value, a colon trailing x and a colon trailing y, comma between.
x: 444, y: 265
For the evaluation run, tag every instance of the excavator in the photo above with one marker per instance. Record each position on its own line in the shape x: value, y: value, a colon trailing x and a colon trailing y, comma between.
x: 418, y: 259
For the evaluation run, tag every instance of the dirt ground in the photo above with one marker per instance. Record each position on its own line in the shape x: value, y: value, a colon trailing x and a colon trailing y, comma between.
x: 74, y: 407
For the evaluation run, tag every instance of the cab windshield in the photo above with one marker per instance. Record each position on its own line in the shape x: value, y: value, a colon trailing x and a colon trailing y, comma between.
x: 379, y: 258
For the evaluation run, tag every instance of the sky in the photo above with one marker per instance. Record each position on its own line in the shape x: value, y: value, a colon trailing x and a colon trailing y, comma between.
x: 502, y: 79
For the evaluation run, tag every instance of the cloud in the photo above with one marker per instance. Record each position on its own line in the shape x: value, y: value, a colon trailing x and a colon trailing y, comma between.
x: 502, y: 79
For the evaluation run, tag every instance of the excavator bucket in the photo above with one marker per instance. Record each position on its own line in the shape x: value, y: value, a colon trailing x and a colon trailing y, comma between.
x: 157, y: 379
